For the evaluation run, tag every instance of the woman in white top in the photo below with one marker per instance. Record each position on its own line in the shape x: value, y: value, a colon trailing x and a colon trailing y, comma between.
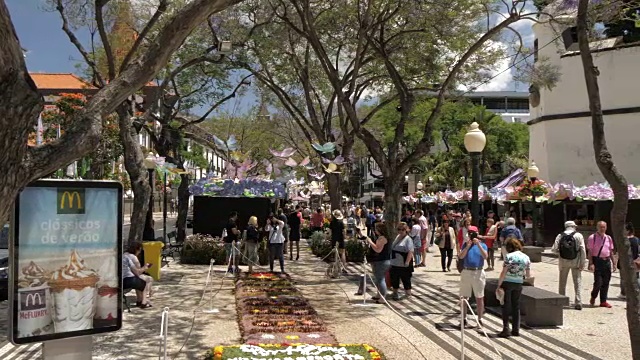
x: 415, y: 234
x: 133, y: 276
x: 276, y: 241
x: 401, y: 261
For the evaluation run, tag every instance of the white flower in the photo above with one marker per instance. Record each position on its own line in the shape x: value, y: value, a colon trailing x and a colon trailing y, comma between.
x: 313, y: 336
x: 268, y: 336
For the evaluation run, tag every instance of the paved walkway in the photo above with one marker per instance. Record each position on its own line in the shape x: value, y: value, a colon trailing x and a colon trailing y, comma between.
x: 180, y: 289
x: 421, y: 328
x: 434, y: 312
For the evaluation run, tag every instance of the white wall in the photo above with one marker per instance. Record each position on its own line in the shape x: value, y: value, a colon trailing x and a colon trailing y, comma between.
x: 563, y: 148
x: 618, y: 83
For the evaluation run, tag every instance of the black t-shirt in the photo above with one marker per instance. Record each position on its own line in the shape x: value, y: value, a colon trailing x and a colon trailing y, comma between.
x: 294, y: 221
x: 231, y: 236
x: 337, y: 228
x: 253, y: 235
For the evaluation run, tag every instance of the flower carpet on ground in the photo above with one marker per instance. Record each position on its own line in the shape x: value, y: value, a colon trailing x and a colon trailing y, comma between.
x: 272, y: 311
x: 277, y: 322
x: 295, y: 352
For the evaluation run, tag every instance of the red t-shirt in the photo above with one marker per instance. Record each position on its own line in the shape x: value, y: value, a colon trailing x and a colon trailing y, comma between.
x: 490, y: 242
x: 317, y: 220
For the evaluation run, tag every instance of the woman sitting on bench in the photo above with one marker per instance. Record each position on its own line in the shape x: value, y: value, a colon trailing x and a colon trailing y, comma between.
x: 133, y: 276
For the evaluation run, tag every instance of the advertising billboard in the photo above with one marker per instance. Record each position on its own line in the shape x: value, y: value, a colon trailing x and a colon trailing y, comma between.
x: 66, y: 277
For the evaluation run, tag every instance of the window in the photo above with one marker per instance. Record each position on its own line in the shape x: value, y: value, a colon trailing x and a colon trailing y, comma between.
x: 535, y: 50
x: 494, y: 104
x: 570, y: 39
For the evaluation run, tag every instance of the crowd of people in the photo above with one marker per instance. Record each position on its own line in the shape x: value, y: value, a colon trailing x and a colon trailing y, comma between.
x: 474, y: 248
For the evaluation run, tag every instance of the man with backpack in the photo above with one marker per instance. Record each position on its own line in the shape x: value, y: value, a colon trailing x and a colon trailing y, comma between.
x: 572, y: 256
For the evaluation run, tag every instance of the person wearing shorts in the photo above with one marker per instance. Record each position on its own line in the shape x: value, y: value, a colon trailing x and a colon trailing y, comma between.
x: 473, y: 279
x: 133, y: 275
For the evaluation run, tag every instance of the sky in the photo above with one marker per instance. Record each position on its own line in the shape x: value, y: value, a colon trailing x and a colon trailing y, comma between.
x: 40, y: 33
x: 49, y: 50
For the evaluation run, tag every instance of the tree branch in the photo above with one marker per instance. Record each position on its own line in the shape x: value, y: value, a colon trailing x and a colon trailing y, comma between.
x: 422, y: 148
x: 105, y: 39
x: 242, y: 83
x: 76, y: 42
x: 162, y: 7
x: 87, y: 130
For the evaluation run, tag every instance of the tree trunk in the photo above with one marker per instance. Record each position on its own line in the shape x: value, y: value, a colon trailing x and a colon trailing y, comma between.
x: 392, y: 202
x: 618, y: 183
x: 133, y: 163
x: 20, y: 104
x: 95, y: 170
x: 183, y: 207
x: 335, y: 194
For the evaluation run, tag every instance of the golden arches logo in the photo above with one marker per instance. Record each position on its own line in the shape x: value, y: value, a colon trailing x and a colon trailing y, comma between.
x: 71, y: 201
x: 70, y: 196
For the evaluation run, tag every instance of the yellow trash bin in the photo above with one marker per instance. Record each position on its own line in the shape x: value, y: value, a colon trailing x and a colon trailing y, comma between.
x: 153, y: 255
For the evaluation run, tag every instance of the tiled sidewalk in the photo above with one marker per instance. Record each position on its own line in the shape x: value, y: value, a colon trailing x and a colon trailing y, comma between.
x: 420, y: 328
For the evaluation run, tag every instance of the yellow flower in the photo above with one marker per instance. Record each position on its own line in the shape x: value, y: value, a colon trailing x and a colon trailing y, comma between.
x: 217, y: 352
x: 292, y: 337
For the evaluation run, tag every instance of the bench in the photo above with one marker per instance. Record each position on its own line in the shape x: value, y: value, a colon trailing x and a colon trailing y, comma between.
x: 538, y: 307
x: 171, y: 247
x: 534, y: 253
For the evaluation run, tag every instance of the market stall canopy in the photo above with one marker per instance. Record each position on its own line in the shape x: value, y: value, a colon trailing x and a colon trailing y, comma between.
x: 513, y: 179
x: 552, y: 193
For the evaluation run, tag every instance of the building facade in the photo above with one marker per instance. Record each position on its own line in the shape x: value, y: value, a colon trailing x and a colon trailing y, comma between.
x: 512, y: 106
x: 560, y: 128
x: 51, y: 85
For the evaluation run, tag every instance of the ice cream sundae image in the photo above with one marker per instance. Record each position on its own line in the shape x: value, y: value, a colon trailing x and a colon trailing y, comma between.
x: 34, y: 317
x: 74, y: 295
x: 32, y: 275
x: 108, y: 286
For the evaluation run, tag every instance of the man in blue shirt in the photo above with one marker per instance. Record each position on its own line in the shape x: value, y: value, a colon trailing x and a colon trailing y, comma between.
x: 473, y: 278
x: 510, y: 230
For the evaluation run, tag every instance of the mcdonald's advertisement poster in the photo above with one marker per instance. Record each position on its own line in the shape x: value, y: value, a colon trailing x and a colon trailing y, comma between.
x: 67, y: 280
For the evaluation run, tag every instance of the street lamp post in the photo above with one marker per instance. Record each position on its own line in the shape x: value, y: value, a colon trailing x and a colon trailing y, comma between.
x: 533, y: 172
x: 474, y: 142
x: 149, y: 233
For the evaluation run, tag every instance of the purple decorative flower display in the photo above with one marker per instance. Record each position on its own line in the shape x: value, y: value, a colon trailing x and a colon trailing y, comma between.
x: 557, y: 192
x: 210, y: 186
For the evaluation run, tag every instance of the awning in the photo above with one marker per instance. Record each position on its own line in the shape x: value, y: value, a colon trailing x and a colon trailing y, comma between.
x: 511, y: 180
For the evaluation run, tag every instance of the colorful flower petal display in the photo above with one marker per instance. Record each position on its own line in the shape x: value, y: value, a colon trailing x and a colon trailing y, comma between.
x: 294, y: 351
x: 269, y: 304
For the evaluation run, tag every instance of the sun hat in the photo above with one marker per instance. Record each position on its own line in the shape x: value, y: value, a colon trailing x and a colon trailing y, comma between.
x: 337, y: 214
x: 570, y: 224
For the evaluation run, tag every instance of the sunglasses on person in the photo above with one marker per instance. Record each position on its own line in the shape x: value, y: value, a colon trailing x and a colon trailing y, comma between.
x: 401, y: 229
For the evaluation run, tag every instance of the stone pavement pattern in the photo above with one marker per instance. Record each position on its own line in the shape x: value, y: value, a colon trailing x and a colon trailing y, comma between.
x: 429, y: 334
